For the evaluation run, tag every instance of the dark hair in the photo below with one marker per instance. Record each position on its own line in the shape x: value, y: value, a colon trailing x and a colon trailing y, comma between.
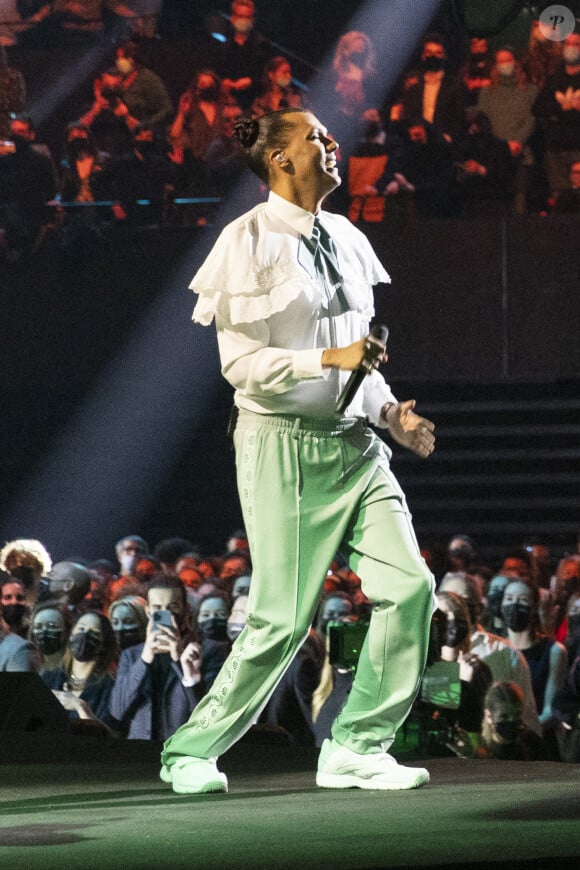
x: 256, y: 136
x: 169, y: 550
x: 184, y: 623
x: 131, y: 50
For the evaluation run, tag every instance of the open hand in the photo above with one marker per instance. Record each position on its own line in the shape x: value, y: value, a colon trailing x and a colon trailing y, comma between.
x: 409, y: 429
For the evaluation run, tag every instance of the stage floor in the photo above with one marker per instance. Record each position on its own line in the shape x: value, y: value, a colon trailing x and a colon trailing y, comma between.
x: 90, y: 805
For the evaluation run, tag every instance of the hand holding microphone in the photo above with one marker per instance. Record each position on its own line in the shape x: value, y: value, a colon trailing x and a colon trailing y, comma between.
x: 374, y: 349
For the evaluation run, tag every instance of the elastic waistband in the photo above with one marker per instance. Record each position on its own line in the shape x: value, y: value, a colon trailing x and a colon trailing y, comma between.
x: 295, y: 424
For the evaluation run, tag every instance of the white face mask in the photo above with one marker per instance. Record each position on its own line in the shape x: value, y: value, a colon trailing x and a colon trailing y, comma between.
x: 284, y: 81
x: 124, y: 65
x: 128, y: 562
x: 506, y: 69
x: 571, y: 54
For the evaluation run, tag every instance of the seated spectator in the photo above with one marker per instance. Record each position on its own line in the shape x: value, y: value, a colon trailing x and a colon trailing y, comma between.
x: 14, y: 610
x: 140, y: 16
x: 238, y: 540
x: 12, y: 92
x: 128, y: 550
x: 84, y: 682
x: 542, y: 57
x: 197, y: 124
x: 27, y: 560
x: 557, y: 108
x: 212, y: 623
x: 169, y: 551
x: 460, y: 553
x: 546, y: 657
x: 50, y: 628
x: 225, y: 162
x: 491, y: 617
x: 69, y: 582
x: 27, y: 184
x: 473, y: 674
x: 476, y: 74
x: 572, y: 639
x: 243, y: 55
x: 507, y: 102
x: 374, y: 171
x: 128, y: 618
x: 63, y: 22
x: 158, y: 682
x: 566, y: 706
x: 108, y: 119
x: 140, y: 182
x: 277, y: 91
x: 241, y: 585
x: 143, y: 92
x: 354, y: 67
x: 568, y: 201
x: 505, y: 662
x: 434, y: 94
x: 235, y: 564
x: 516, y: 563
x: 81, y: 169
x: 503, y: 732
x: 427, y: 164
x: 17, y: 654
x: 563, y: 584
x: 483, y: 169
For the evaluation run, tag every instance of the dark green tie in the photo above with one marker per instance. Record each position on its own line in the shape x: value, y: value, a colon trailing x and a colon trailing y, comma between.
x: 325, y: 258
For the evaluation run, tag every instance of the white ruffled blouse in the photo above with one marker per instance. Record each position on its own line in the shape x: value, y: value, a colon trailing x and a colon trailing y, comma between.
x: 275, y: 313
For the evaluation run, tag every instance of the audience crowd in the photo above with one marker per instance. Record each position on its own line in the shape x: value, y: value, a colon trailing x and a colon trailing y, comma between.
x: 129, y: 644
x: 493, y: 133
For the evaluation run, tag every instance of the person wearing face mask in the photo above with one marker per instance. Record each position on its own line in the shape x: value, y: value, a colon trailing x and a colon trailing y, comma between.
x: 278, y: 92
x: 197, y: 124
x: 16, y: 653
x: 557, y: 108
x: 491, y: 617
x: 476, y: 73
x: 243, y: 55
x: 159, y: 680
x: 454, y: 686
x: 434, y: 94
x: 15, y: 611
x: 354, y: 66
x: 504, y: 660
x: 503, y: 733
x: 547, y: 659
x: 143, y: 92
x: 128, y: 550
x: 128, y: 616
x: 507, y: 102
x: 50, y: 627
x: 84, y: 681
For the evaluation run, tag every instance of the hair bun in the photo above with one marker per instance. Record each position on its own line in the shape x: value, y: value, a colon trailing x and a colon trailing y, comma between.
x: 246, y: 131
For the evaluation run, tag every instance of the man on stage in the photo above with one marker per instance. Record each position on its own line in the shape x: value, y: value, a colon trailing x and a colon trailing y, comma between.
x: 290, y: 287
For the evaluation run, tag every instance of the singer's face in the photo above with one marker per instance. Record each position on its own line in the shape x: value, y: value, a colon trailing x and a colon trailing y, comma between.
x: 311, y: 153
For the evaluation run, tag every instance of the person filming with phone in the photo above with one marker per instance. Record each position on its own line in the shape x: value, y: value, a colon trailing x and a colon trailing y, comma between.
x: 159, y: 681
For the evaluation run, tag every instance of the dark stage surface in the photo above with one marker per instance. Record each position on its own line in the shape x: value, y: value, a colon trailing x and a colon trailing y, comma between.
x: 100, y: 805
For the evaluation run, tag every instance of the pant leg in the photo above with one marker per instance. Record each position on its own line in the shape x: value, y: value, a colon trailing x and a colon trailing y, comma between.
x: 298, y: 492
x: 386, y: 556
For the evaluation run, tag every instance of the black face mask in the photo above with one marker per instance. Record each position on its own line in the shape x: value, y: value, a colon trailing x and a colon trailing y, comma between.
x: 507, y: 730
x: 48, y: 640
x: 479, y: 58
x: 14, y: 614
x: 215, y: 628
x: 128, y: 637
x: 457, y: 631
x: 85, y: 646
x: 516, y: 616
x: 574, y: 626
x: 208, y: 95
x: 433, y: 64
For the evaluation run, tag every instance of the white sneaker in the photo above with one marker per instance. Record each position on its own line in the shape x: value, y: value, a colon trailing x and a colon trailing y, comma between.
x: 165, y: 774
x: 339, y: 767
x: 197, y: 776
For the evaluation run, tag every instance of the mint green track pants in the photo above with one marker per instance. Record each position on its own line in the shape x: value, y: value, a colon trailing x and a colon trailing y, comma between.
x: 307, y: 488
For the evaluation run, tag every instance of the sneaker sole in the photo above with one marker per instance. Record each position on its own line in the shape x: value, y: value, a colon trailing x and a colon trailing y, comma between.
x: 335, y: 780
x: 165, y: 775
x: 211, y: 787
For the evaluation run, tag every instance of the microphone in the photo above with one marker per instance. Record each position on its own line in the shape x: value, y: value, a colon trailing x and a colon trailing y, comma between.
x: 372, y: 350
